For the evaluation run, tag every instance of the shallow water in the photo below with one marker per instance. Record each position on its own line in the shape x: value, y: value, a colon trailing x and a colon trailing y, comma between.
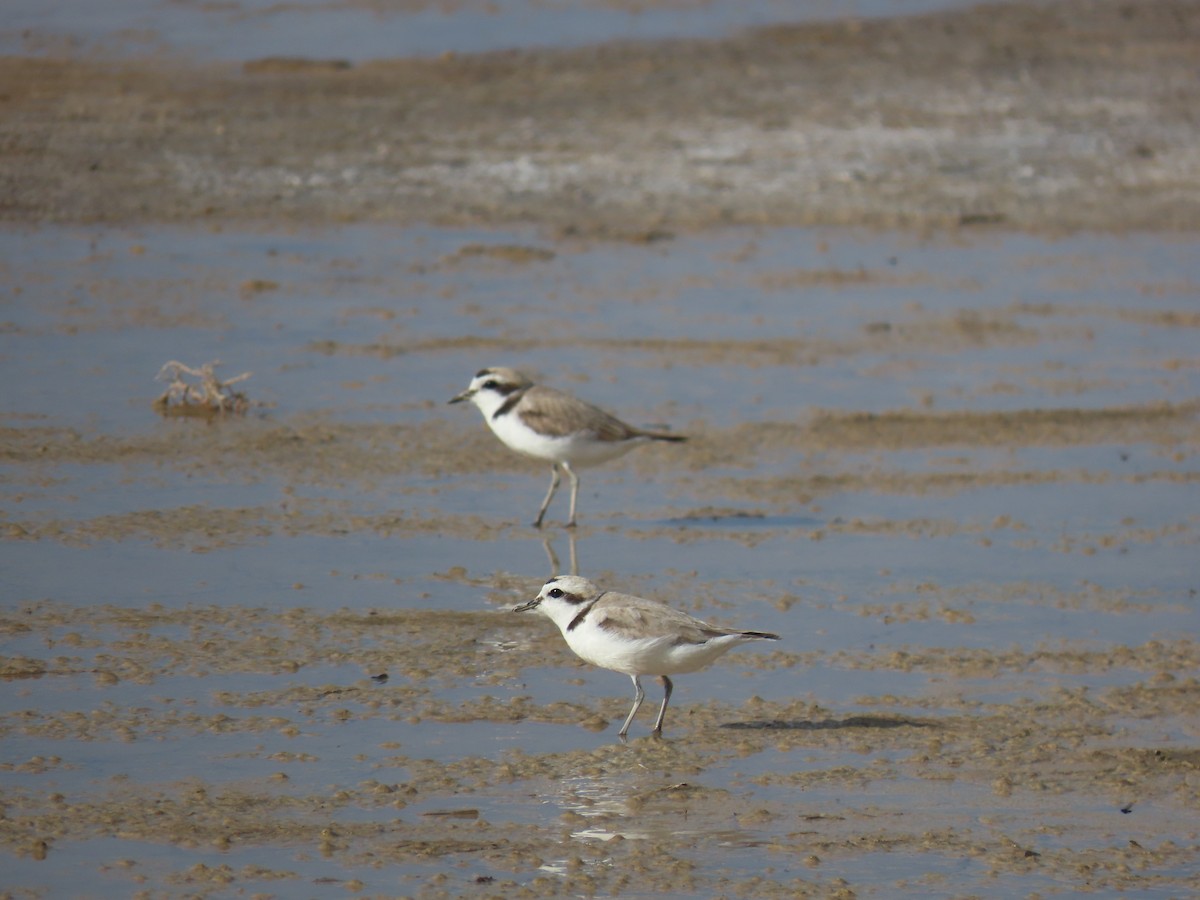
x: 354, y: 30
x: 977, y: 611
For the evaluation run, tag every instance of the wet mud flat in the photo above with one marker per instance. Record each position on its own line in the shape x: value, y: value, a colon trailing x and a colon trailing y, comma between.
x: 271, y: 652
x: 952, y: 463
x: 810, y: 791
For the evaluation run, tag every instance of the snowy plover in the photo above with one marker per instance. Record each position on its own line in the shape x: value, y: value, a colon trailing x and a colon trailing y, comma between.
x: 632, y: 635
x: 543, y: 423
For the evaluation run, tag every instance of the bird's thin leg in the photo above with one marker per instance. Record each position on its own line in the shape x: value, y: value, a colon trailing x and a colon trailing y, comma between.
x: 667, y: 687
x: 638, y: 697
x: 574, y: 493
x: 554, y: 478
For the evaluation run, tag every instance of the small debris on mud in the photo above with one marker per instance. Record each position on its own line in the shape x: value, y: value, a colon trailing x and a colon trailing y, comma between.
x: 207, y: 397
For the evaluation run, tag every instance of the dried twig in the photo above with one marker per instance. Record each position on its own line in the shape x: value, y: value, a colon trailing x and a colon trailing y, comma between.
x: 208, y: 396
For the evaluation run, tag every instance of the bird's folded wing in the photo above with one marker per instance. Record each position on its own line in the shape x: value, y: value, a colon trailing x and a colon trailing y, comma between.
x: 556, y: 414
x: 636, y: 618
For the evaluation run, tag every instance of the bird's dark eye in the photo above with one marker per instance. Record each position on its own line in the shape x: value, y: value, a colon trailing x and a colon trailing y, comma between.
x: 490, y: 385
x: 555, y: 593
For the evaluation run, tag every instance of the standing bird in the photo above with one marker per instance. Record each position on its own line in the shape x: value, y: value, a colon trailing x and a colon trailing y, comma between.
x: 633, y: 635
x: 543, y: 423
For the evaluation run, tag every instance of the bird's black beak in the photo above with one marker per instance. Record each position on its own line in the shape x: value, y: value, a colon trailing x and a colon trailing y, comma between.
x: 530, y: 604
x: 465, y: 395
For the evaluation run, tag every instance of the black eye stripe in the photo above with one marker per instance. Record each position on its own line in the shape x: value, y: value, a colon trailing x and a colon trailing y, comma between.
x: 560, y: 594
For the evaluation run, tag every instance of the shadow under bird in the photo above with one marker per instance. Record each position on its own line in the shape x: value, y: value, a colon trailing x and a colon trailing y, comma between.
x: 633, y: 635
x: 544, y: 423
